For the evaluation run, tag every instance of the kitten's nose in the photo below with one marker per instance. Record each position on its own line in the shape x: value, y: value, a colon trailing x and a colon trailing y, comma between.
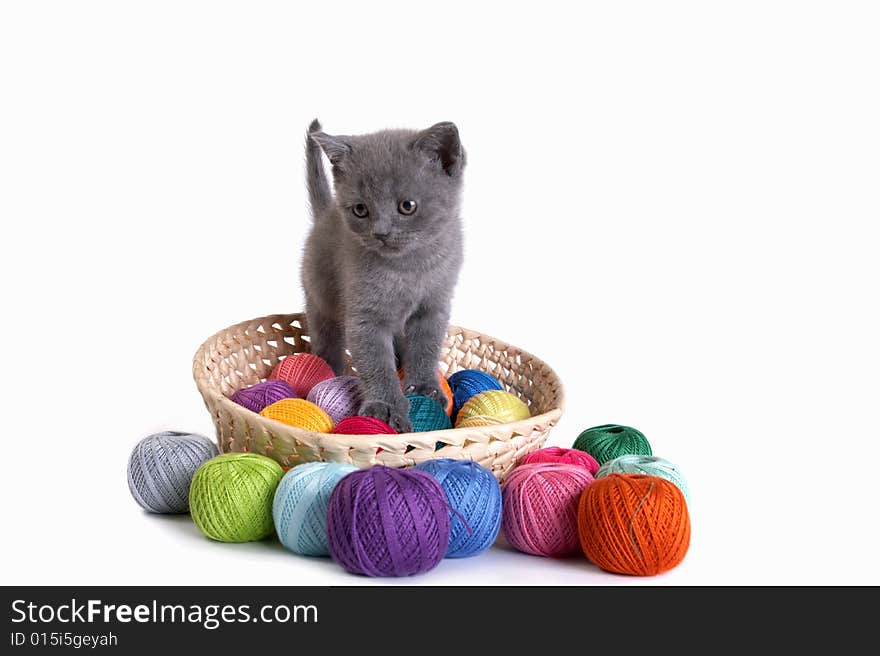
x: 381, y: 236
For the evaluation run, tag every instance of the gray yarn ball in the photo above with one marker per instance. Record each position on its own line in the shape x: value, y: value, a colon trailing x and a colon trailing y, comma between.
x: 161, y: 467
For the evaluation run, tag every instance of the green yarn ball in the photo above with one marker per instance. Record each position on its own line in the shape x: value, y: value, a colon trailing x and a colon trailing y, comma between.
x: 610, y: 441
x: 231, y: 496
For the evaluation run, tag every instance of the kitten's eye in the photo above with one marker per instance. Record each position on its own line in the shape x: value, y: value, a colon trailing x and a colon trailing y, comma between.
x: 360, y: 210
x: 406, y: 207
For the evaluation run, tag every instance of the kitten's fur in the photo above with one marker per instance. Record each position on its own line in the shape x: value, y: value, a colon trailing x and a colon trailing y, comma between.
x: 389, y: 296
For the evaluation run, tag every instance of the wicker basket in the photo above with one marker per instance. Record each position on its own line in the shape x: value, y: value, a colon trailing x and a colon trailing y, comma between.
x: 245, y: 354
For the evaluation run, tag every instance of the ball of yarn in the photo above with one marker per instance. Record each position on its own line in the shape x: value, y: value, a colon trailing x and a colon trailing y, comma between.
x: 299, y: 413
x: 300, y: 506
x: 339, y: 397
x: 495, y: 403
x: 444, y: 387
x: 363, y: 426
x: 302, y: 371
x: 388, y: 522
x: 566, y: 456
x: 477, y: 420
x: 258, y: 396
x: 634, y: 524
x: 474, y: 497
x: 540, y: 507
x: 161, y: 467
x: 609, y: 441
x: 230, y: 498
x: 425, y: 414
x: 467, y: 383
x: 648, y: 465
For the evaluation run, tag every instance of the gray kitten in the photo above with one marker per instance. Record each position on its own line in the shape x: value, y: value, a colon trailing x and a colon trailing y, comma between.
x: 383, y: 257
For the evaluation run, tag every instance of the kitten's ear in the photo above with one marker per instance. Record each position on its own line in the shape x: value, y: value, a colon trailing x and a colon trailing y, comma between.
x: 334, y: 147
x: 441, y: 143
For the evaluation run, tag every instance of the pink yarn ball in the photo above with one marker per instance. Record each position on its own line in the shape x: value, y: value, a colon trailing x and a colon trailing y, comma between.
x: 564, y: 456
x: 539, y: 512
x: 302, y: 371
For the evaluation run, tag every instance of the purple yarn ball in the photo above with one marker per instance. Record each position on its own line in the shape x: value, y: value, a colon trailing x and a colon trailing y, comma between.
x: 258, y: 396
x: 339, y: 397
x: 384, y: 521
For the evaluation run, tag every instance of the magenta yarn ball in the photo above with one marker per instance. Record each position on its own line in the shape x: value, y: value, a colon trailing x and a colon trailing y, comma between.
x: 564, y: 456
x: 339, y: 397
x: 539, y: 509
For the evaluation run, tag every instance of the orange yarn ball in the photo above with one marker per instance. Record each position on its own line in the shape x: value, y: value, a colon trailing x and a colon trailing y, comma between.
x: 634, y: 524
x: 444, y: 385
x: 299, y: 413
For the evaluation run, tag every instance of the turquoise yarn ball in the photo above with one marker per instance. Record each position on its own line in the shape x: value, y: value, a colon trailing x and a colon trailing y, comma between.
x: 474, y: 497
x: 300, y: 506
x: 426, y: 414
x: 642, y: 464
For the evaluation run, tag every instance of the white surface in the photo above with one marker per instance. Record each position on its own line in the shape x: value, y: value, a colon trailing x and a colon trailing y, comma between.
x: 673, y: 204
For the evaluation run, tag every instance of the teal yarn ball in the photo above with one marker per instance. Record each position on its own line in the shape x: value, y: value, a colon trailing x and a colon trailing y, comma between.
x: 425, y: 414
x: 300, y: 506
x: 474, y: 497
x: 634, y: 463
x: 608, y: 441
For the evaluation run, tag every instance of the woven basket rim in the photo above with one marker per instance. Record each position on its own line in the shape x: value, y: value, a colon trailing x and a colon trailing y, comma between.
x: 355, y: 440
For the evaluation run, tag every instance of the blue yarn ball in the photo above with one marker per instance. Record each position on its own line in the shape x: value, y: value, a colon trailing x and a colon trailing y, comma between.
x: 474, y: 497
x: 425, y: 414
x: 300, y: 506
x: 161, y: 467
x: 467, y: 383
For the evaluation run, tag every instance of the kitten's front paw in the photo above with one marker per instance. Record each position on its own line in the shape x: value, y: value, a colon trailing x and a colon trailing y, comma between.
x: 431, y: 390
x: 396, y: 416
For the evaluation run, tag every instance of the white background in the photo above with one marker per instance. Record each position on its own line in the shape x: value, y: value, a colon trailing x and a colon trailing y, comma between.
x: 674, y: 204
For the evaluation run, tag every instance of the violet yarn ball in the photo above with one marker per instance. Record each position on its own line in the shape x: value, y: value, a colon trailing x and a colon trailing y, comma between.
x: 258, y: 396
x: 339, y: 397
x: 384, y: 521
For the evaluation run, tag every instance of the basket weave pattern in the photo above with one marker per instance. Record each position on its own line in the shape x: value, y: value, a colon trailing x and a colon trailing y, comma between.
x: 246, y: 353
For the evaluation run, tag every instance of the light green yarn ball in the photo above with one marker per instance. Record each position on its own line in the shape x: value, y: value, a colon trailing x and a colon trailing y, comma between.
x: 635, y: 463
x: 230, y: 498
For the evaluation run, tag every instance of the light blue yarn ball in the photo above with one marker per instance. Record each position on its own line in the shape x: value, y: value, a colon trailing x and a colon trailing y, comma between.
x: 300, y: 506
x: 474, y: 497
x: 161, y: 468
x: 642, y: 464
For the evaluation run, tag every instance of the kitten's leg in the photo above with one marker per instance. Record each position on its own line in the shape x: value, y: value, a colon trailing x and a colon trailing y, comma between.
x: 372, y: 351
x: 424, y: 331
x: 327, y: 339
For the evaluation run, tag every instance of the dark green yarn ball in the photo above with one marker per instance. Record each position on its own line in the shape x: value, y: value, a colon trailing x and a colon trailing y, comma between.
x: 610, y: 441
